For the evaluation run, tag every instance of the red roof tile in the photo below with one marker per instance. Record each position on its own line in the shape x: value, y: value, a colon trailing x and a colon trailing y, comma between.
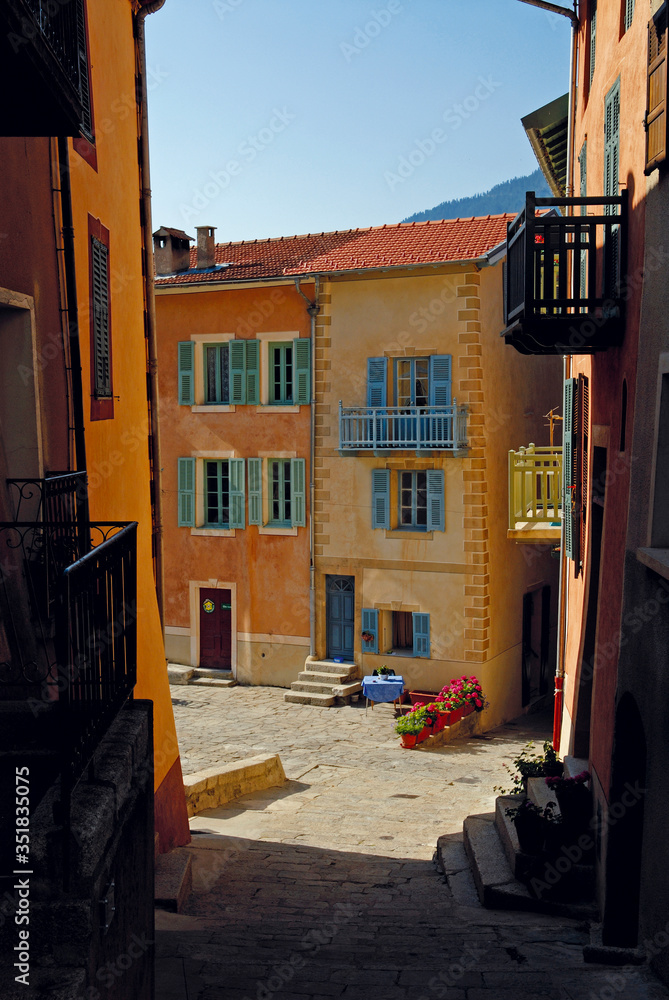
x: 407, y: 243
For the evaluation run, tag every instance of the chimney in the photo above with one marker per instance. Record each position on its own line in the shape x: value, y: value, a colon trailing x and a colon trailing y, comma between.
x: 171, y: 249
x: 205, y: 246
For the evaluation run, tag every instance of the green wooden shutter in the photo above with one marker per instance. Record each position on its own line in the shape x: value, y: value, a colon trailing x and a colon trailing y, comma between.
x: 186, y: 484
x: 655, y: 121
x: 593, y: 37
x: 100, y: 276
x: 237, y: 371
x: 435, y: 500
x: 380, y: 498
x: 370, y: 623
x: 421, y: 634
x: 252, y: 371
x: 237, y: 496
x: 629, y: 14
x: 186, y: 372
x: 298, y: 507
x: 611, y: 164
x: 302, y: 371
x: 377, y: 381
x: 440, y: 380
x: 583, y: 269
x: 255, y: 490
x: 569, y: 396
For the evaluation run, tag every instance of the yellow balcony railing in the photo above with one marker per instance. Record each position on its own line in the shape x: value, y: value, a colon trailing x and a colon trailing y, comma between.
x: 535, y: 485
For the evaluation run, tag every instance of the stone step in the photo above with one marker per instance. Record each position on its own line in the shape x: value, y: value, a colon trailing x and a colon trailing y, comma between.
x: 316, y: 677
x: 212, y: 682
x: 346, y: 690
x: 314, y: 686
x: 495, y: 882
x: 222, y: 675
x: 177, y: 673
x: 574, y: 766
x: 539, y: 793
x: 330, y: 667
x: 304, y: 698
x: 173, y: 880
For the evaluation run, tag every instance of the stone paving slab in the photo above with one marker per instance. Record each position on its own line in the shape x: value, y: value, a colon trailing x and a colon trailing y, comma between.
x: 326, y: 887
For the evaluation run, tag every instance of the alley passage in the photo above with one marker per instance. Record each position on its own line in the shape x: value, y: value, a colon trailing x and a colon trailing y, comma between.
x: 326, y: 887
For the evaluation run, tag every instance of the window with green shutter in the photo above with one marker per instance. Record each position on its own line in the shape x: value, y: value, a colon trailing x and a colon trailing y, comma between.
x: 628, y: 13
x: 593, y: 37
x: 380, y: 498
x: 279, y: 478
x: 568, y: 399
x: 298, y: 507
x: 302, y: 375
x: 370, y: 627
x: 281, y: 373
x: 255, y: 490
x: 421, y: 634
x: 244, y: 367
x: 216, y: 494
x: 186, y: 495
x: 611, y: 188
x: 186, y: 388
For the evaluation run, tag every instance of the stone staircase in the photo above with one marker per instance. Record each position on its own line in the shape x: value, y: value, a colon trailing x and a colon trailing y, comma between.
x: 501, y: 870
x: 177, y: 673
x: 325, y: 683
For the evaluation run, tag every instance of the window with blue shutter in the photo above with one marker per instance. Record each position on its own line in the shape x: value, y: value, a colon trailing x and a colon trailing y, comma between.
x: 255, y: 491
x: 186, y: 486
x: 302, y: 376
x: 593, y: 37
x: 237, y: 371
x: 377, y: 381
x: 298, y: 505
x: 436, y: 520
x: 629, y: 13
x: 237, y: 493
x: 186, y: 373
x: 421, y: 634
x: 440, y: 379
x: 380, y: 498
x: 370, y: 625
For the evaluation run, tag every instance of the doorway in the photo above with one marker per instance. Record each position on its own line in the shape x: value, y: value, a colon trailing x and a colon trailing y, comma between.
x: 340, y: 616
x: 215, y: 628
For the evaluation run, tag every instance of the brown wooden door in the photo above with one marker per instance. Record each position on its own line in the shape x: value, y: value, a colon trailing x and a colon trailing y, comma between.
x: 215, y: 629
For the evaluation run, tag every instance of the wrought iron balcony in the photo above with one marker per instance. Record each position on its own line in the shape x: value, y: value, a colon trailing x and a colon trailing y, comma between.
x: 535, y: 494
x: 403, y: 428
x: 565, y: 276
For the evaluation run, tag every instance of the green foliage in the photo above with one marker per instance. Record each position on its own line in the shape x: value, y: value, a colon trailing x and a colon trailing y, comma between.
x: 509, y: 196
x: 529, y: 764
x: 410, y: 724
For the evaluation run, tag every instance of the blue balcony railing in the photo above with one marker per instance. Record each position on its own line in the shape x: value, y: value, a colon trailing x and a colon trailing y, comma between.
x: 408, y: 428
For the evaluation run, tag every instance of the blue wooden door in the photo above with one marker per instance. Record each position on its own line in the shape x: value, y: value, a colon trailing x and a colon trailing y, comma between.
x: 340, y: 616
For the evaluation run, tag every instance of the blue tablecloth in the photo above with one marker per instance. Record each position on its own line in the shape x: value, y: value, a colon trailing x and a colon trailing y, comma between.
x: 381, y: 688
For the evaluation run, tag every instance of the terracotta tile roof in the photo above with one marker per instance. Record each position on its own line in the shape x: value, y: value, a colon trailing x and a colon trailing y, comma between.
x: 407, y: 243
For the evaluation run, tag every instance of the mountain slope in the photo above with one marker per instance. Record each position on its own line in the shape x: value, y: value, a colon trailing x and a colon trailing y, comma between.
x: 509, y: 196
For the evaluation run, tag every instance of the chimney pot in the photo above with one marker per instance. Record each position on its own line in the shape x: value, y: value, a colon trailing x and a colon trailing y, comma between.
x: 205, y: 246
x: 171, y: 250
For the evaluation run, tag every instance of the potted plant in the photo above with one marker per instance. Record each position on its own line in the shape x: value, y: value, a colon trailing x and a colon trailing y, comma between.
x: 385, y: 671
x: 530, y: 823
x: 529, y: 764
x: 408, y: 728
x: 574, y: 801
x: 367, y: 636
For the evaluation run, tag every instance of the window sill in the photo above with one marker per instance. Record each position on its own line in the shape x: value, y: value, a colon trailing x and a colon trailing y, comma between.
x: 267, y: 529
x: 213, y: 408
x: 214, y: 532
x: 277, y: 408
x: 655, y: 559
x: 409, y: 536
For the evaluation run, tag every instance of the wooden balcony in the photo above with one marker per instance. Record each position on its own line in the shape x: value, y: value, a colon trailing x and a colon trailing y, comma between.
x: 535, y: 494
x: 383, y: 429
x: 565, y: 276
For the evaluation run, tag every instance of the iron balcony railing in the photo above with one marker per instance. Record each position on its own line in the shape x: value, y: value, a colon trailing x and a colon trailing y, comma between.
x: 565, y: 275
x: 535, y: 485
x: 416, y: 428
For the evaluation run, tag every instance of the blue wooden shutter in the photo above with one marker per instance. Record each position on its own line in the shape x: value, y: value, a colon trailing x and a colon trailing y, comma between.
x: 255, y: 490
x: 186, y: 485
x: 569, y: 396
x: 380, y: 498
x: 298, y: 507
x: 421, y: 634
x: 186, y: 373
x: 593, y: 37
x: 436, y: 520
x: 237, y: 371
x: 629, y: 14
x: 370, y: 623
x: 302, y: 371
x: 253, y: 371
x: 377, y: 381
x: 237, y: 496
x: 440, y: 380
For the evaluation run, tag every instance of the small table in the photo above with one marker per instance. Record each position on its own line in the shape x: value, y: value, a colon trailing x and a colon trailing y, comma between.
x: 388, y: 688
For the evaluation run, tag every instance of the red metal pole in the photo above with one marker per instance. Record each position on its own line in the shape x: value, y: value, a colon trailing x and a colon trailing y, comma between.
x: 557, y: 712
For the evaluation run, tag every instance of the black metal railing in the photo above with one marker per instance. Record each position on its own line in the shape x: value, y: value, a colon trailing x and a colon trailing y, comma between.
x: 565, y: 275
x: 59, y: 26
x: 96, y: 644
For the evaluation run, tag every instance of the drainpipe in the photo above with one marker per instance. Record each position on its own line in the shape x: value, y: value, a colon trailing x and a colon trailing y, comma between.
x: 152, y: 340
x: 313, y: 309
x: 72, y: 319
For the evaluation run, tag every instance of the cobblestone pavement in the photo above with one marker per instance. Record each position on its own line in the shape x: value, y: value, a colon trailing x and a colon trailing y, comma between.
x: 326, y: 886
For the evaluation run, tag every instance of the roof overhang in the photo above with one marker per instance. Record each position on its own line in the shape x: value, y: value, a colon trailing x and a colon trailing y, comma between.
x: 546, y: 129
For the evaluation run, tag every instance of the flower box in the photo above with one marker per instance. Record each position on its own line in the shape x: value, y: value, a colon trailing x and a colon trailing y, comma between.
x: 468, y: 710
x: 422, y: 697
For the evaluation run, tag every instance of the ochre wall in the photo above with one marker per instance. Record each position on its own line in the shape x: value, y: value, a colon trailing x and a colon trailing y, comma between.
x: 271, y: 571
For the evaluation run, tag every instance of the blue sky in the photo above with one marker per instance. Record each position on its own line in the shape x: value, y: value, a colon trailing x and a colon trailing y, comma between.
x: 276, y: 117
